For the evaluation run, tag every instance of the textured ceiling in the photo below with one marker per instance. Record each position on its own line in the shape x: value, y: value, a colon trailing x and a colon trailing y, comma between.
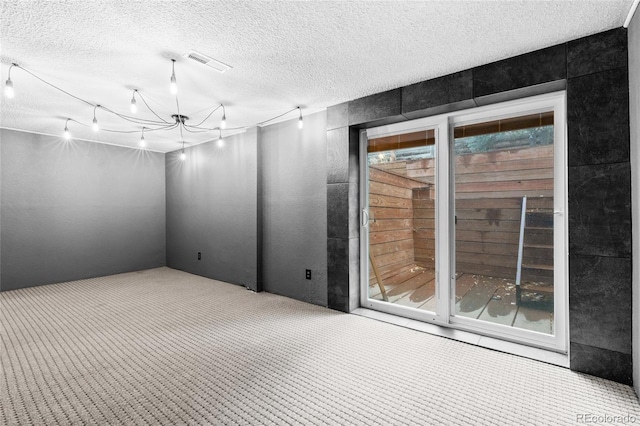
x: 283, y: 53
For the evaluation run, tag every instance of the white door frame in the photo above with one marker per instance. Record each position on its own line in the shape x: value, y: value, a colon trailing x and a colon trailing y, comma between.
x: 445, y: 232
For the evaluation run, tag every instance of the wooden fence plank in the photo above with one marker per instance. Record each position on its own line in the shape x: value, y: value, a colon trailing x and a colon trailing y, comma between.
x: 486, y: 248
x: 510, y: 186
x: 389, y: 213
x: 382, y: 176
x: 488, y: 237
x: 527, y: 164
x: 487, y: 226
x: 378, y: 225
x: 509, y: 194
x: 424, y: 223
x: 424, y: 213
x: 505, y: 176
x: 392, y: 246
x: 385, y: 201
x: 389, y: 190
x: 386, y: 236
x: 394, y: 257
x: 490, y: 214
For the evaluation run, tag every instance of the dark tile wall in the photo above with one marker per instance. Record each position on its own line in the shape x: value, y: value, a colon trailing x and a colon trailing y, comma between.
x: 598, y: 117
x: 439, y: 95
x: 599, y: 205
x: 600, y: 210
x: 601, y: 302
x: 599, y: 52
x: 343, y: 208
x: 599, y: 362
x: 533, y: 68
x: 594, y: 72
x: 376, y: 110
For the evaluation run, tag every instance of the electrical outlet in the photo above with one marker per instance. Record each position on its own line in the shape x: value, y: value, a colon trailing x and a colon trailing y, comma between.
x: 308, y: 274
x: 199, y: 256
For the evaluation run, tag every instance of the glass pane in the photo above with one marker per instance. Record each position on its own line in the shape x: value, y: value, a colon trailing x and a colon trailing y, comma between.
x: 402, y: 219
x: 504, y: 222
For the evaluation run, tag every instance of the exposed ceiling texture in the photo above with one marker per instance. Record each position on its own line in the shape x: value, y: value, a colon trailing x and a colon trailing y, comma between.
x: 283, y: 53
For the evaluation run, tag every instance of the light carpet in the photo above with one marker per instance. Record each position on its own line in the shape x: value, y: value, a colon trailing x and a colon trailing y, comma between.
x: 166, y: 347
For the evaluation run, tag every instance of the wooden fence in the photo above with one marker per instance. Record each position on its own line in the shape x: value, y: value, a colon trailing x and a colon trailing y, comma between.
x: 489, y: 190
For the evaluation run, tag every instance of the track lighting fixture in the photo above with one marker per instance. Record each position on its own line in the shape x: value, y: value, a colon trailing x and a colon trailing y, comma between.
x: 67, y: 134
x: 173, y: 87
x: 149, y: 123
x: 8, y: 85
x: 134, y: 107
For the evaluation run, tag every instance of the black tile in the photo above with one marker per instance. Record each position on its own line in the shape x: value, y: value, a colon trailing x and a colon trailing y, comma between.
x: 438, y: 95
x: 338, y: 274
x: 598, y: 52
x: 377, y: 109
x: 529, y: 69
x: 354, y: 210
x: 338, y: 210
x: 338, y: 116
x: 354, y: 155
x: 338, y: 155
x: 600, y: 302
x: 600, y: 210
x: 602, y: 363
x: 354, y: 273
x: 598, y: 118
x: 524, y: 92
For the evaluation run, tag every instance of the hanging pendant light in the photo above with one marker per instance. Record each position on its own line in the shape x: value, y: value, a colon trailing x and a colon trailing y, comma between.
x: 142, y: 143
x: 95, y: 125
x: 173, y: 86
x: 134, y: 107
x: 220, y: 140
x: 223, y: 123
x: 67, y: 133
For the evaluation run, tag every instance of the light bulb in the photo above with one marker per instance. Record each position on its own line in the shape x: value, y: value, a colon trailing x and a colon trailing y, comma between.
x: 143, y: 143
x: 220, y: 142
x: 67, y: 134
x: 134, y: 107
x: 183, y: 156
x: 173, y: 87
x: 300, y: 123
x: 223, y: 123
x: 8, y: 89
x: 95, y: 126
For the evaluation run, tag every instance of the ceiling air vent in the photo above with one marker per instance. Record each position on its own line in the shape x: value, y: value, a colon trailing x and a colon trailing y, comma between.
x: 208, y: 61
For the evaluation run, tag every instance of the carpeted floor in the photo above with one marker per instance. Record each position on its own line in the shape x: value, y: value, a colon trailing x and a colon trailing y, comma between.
x: 166, y: 347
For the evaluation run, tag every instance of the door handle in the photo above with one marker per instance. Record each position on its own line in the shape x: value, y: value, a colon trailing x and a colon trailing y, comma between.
x: 365, y: 218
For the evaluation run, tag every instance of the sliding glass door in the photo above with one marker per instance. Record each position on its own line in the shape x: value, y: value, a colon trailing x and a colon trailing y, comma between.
x: 401, y: 219
x: 463, y: 221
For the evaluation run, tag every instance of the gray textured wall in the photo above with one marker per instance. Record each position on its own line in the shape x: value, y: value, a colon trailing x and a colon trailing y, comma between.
x: 295, y: 208
x: 212, y: 209
x: 634, y: 114
x: 73, y: 210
